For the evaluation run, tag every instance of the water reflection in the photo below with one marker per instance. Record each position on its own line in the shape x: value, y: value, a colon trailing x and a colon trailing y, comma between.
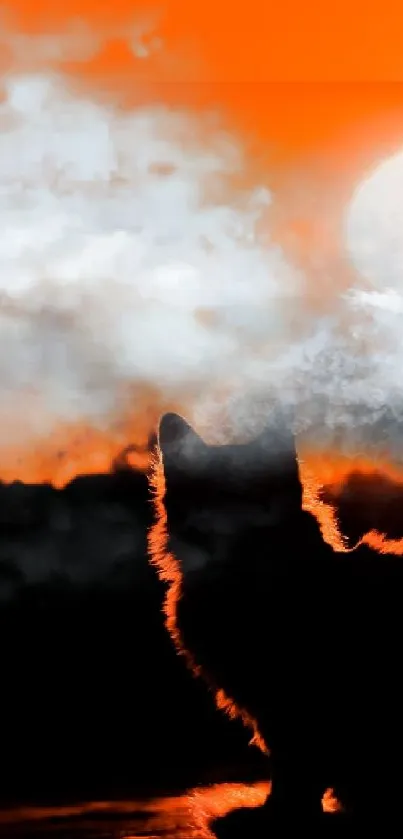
x: 185, y: 816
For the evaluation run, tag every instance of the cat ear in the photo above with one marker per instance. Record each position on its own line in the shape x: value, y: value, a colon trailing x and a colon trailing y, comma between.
x: 177, y: 440
x: 275, y: 451
x: 276, y: 441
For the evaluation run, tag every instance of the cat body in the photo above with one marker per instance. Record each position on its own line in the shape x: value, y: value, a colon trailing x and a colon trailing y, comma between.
x: 300, y: 641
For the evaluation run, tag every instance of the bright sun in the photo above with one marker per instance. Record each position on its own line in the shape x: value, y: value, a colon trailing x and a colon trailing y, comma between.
x: 374, y: 226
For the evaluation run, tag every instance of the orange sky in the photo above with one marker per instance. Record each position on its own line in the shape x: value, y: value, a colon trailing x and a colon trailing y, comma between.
x: 268, y: 65
x: 258, y: 41
x: 300, y: 79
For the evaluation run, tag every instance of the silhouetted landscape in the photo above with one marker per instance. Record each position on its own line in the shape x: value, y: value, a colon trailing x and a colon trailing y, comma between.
x: 95, y: 700
x: 96, y: 704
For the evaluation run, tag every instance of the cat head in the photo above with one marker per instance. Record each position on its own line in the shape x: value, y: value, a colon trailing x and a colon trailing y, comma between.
x: 267, y: 462
x: 261, y: 476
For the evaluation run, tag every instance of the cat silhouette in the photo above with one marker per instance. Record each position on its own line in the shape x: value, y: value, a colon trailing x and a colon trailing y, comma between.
x: 301, y: 642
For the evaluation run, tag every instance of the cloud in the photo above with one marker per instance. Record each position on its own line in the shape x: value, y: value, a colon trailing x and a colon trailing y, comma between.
x: 111, y: 258
x: 128, y: 256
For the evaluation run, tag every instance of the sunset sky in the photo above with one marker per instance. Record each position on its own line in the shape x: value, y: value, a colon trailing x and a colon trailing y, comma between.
x: 256, y: 42
x: 314, y: 92
x: 228, y: 53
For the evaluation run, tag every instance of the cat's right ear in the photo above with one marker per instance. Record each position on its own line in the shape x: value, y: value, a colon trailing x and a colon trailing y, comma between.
x: 179, y: 444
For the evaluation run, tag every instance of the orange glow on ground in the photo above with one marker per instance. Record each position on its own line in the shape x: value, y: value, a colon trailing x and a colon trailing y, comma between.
x: 216, y: 801
x: 185, y: 816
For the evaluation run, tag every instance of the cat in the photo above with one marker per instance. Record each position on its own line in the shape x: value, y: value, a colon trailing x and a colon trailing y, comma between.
x: 300, y: 641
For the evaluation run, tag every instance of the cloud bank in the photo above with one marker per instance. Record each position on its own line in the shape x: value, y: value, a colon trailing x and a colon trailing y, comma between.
x: 128, y: 256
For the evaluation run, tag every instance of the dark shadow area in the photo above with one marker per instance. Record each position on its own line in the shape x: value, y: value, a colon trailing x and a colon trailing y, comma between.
x: 367, y: 502
x: 96, y: 704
